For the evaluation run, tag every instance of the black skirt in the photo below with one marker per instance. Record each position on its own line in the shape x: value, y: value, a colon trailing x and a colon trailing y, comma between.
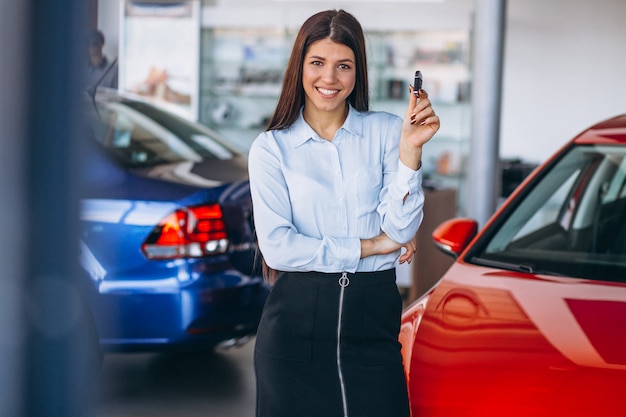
x: 327, y: 345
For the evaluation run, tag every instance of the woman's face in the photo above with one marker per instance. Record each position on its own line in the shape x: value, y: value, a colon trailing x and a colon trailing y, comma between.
x: 328, y: 76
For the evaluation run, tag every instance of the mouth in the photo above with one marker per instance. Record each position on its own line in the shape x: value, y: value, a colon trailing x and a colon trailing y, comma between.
x: 327, y: 92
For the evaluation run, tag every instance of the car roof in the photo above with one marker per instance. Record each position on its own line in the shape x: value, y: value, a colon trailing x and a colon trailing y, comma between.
x: 610, y: 131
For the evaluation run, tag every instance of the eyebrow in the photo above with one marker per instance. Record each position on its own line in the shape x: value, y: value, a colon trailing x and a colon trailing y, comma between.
x: 324, y: 59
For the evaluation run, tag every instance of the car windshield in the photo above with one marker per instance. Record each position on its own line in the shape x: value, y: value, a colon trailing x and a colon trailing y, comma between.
x: 138, y: 134
x: 571, y: 223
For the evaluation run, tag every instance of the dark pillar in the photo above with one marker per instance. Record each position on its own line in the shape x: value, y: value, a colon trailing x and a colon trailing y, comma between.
x: 58, y: 381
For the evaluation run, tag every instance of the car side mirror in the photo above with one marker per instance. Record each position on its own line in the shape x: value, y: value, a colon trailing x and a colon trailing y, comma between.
x: 453, y: 236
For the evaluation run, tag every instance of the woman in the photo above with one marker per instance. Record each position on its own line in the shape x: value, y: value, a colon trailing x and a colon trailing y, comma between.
x: 336, y: 193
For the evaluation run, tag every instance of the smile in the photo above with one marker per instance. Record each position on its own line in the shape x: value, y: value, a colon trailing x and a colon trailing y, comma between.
x: 327, y: 92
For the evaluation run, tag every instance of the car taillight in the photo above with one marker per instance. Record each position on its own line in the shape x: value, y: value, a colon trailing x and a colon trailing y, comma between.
x: 191, y: 232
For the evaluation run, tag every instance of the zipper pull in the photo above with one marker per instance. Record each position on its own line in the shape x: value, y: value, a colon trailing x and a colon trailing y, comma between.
x: 344, y: 281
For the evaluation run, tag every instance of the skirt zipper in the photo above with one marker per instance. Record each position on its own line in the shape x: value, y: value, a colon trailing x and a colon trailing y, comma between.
x: 344, y: 281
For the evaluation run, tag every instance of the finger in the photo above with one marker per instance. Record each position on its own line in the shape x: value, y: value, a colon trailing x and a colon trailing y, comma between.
x: 421, y: 100
x: 432, y: 121
x: 406, y: 256
x: 423, y: 105
x: 412, y: 102
x: 422, y: 115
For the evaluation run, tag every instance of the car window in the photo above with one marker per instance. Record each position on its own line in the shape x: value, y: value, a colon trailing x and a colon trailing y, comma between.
x: 548, y: 213
x: 572, y: 222
x: 138, y: 134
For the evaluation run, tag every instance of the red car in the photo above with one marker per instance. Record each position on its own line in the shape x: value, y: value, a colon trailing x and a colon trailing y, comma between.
x: 530, y: 320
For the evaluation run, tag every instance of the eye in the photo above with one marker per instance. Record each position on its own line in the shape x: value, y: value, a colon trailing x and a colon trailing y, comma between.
x: 317, y: 63
x: 344, y: 66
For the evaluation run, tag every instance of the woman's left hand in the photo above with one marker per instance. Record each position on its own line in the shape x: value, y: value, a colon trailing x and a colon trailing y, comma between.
x: 410, y: 248
x: 419, y: 126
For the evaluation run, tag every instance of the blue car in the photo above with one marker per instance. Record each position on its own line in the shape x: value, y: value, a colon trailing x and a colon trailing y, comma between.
x: 167, y: 239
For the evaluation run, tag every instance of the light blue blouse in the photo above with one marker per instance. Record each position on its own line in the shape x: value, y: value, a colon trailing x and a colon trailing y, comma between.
x: 314, y: 199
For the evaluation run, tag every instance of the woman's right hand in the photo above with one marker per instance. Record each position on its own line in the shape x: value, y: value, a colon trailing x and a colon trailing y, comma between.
x: 419, y: 126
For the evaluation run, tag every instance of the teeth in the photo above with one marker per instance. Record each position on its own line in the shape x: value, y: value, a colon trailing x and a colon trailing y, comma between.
x: 327, y: 92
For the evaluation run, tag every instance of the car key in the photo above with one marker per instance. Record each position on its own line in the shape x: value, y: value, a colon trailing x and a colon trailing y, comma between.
x: 417, y: 83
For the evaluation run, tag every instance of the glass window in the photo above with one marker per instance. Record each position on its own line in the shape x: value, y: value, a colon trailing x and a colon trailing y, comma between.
x: 139, y: 134
x: 571, y: 223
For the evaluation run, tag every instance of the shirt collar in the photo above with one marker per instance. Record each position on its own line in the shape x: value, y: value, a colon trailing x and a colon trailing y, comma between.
x: 300, y: 131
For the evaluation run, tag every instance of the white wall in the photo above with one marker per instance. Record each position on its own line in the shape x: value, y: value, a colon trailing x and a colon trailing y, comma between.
x: 109, y: 24
x: 565, y: 60
x: 372, y: 14
x: 565, y: 68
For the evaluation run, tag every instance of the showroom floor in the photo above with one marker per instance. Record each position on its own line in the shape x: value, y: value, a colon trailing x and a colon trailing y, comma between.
x: 178, y: 385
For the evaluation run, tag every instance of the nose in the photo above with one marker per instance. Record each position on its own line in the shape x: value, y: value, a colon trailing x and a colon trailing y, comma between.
x: 329, y: 74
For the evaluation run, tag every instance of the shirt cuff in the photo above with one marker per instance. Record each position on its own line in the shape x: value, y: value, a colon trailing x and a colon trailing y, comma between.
x: 407, y: 180
x: 352, y: 254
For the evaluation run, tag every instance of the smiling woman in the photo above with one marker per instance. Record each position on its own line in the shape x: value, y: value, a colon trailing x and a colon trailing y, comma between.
x: 328, y: 78
x: 336, y: 194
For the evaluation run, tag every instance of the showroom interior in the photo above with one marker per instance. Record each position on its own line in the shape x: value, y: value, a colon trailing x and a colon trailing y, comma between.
x: 228, y: 57
x: 551, y: 55
x: 561, y: 70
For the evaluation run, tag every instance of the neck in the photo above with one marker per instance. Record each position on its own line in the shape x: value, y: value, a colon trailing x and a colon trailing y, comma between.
x: 325, y: 124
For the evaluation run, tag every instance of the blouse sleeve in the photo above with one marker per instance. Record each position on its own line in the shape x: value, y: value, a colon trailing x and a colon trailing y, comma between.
x: 277, y: 236
x: 402, y: 198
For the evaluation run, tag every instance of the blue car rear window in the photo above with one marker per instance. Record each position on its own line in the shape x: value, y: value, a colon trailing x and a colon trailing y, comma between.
x: 138, y: 134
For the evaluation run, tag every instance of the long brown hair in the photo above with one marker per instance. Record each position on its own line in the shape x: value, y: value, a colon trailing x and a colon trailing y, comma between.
x: 341, y: 27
